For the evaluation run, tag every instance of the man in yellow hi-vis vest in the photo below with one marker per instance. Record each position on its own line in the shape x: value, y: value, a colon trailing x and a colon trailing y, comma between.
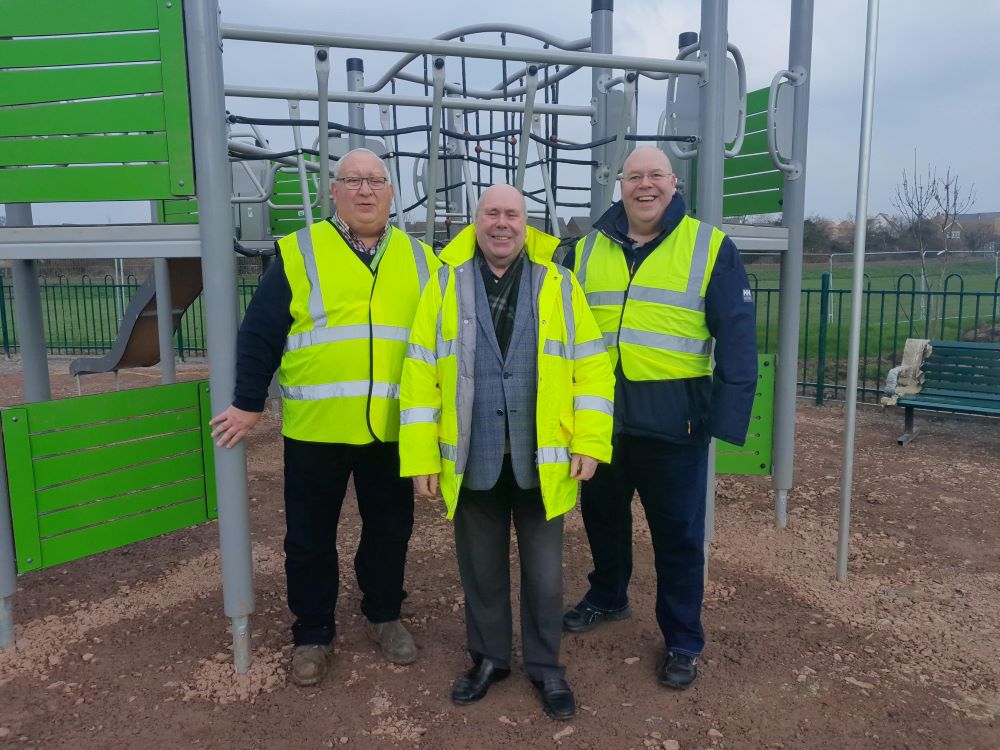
x: 662, y: 286
x: 332, y: 315
x: 506, y: 403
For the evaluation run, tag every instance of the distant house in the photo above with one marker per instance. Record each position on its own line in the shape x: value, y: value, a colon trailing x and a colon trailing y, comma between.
x: 979, y: 231
x: 883, y: 222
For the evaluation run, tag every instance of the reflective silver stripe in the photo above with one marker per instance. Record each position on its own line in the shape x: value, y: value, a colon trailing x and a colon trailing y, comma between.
x: 593, y: 403
x: 685, y: 300
x: 445, y: 348
x: 610, y: 339
x: 448, y: 451
x: 665, y: 342
x: 421, y: 354
x: 555, y: 348
x: 699, y: 260
x: 552, y: 456
x: 605, y: 298
x: 569, y: 319
x: 345, y: 333
x: 348, y: 389
x: 420, y: 259
x: 589, y: 349
x: 419, y: 414
x: 317, y: 310
x: 588, y: 248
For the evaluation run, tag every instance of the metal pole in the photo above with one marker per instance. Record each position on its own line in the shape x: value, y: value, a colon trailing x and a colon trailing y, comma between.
x: 355, y: 112
x: 8, y: 562
x: 293, y: 114
x: 531, y: 85
x: 28, y: 315
x: 165, y: 320
x: 714, y: 37
x: 393, y: 166
x: 323, y: 115
x: 861, y: 211
x: 789, y: 300
x: 218, y: 265
x: 601, y: 42
x: 433, y: 148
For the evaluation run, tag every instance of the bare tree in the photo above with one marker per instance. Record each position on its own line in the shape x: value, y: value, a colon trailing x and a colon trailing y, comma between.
x: 952, y: 200
x: 913, y: 200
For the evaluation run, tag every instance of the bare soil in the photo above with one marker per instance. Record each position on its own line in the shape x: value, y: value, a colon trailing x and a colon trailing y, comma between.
x: 130, y: 648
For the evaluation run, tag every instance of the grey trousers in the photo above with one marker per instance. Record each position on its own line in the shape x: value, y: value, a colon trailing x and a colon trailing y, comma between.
x: 482, y: 541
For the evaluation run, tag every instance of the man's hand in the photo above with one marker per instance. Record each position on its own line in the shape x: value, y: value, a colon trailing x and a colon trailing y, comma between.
x: 232, y: 425
x: 582, y: 467
x: 426, y: 485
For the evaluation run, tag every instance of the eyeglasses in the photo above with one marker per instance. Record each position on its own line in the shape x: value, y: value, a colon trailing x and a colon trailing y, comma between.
x: 636, y: 179
x: 354, y: 183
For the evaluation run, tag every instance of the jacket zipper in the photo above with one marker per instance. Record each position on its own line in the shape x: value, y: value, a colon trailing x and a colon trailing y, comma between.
x: 371, y: 357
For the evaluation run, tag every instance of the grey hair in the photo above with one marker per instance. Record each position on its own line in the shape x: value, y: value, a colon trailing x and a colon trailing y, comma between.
x: 524, y: 201
x: 335, y: 172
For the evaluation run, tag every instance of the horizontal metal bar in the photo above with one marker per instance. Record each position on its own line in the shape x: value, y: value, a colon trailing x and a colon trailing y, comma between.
x: 457, y: 49
x: 357, y: 97
x: 754, y: 239
x: 112, y: 241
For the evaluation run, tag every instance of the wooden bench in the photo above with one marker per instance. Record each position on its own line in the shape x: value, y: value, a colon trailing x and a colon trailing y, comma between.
x: 962, y: 377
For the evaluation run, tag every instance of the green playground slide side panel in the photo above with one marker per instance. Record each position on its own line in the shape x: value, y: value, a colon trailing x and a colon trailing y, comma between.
x: 112, y: 83
x: 90, y: 149
x: 79, y: 50
x: 131, y: 114
x: 31, y: 18
x: 180, y: 211
x: 109, y: 469
x: 757, y: 100
x: 752, y: 183
x: 755, y: 457
x: 754, y: 143
x: 746, y: 164
x: 752, y: 204
x: 47, y: 85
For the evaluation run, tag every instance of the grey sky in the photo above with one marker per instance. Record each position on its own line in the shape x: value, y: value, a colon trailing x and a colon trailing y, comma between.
x: 950, y: 117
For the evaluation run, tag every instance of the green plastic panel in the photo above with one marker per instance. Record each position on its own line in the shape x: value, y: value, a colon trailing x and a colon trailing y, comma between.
x: 287, y: 192
x: 755, y: 456
x: 89, y: 68
x: 97, y: 472
x: 177, y: 212
x: 751, y: 184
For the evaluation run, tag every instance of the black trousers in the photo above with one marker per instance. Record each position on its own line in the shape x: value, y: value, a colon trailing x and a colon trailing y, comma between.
x: 672, y: 482
x: 482, y: 541
x: 316, y: 477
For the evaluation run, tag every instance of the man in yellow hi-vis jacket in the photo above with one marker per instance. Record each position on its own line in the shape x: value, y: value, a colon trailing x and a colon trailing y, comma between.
x: 506, y: 401
x: 332, y: 315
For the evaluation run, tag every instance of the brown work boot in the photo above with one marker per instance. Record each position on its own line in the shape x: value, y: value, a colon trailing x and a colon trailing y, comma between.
x: 394, y: 641
x: 310, y: 664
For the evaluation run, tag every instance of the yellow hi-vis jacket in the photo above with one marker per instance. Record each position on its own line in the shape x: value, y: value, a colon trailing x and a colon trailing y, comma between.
x: 655, y: 321
x: 340, y: 371
x: 575, y: 379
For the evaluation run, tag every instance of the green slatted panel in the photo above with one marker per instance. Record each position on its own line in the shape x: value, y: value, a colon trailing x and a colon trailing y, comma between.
x: 751, y: 184
x: 97, y: 472
x: 755, y: 456
x: 177, y: 212
x: 287, y: 191
x: 86, y: 68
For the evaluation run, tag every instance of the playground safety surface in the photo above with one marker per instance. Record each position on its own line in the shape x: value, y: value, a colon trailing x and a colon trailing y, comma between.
x: 130, y: 648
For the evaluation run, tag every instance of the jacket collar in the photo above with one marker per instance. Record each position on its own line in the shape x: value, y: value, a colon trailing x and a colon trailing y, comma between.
x: 614, y: 222
x: 538, y: 245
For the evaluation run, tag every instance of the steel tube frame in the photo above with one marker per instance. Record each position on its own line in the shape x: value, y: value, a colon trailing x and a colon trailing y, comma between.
x: 789, y: 302
x: 355, y: 112
x: 165, y: 320
x: 433, y: 148
x: 857, y: 284
x: 300, y: 162
x: 8, y: 561
x: 531, y: 85
x: 323, y: 101
x: 601, y: 45
x: 354, y: 97
x: 439, y: 48
x: 28, y: 313
x: 218, y: 264
x: 711, y: 151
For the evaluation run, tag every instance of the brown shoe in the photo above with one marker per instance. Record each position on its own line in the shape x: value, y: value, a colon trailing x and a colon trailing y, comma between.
x: 394, y: 641
x: 310, y: 664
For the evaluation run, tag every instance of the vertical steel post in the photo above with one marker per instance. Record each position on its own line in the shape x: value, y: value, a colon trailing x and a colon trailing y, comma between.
x: 711, y: 150
x: 433, y: 148
x: 601, y: 41
x: 355, y: 112
x: 218, y: 263
x: 323, y: 105
x: 530, y: 87
x: 165, y: 320
x: 8, y: 562
x: 824, y: 328
x: 293, y: 114
x: 857, y: 284
x: 789, y: 299
x: 28, y: 314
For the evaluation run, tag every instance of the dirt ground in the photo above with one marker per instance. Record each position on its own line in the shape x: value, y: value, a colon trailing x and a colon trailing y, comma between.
x: 130, y: 648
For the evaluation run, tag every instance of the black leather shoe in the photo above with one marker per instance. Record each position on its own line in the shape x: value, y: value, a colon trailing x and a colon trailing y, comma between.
x: 557, y: 698
x: 679, y: 671
x: 584, y: 617
x: 472, y: 685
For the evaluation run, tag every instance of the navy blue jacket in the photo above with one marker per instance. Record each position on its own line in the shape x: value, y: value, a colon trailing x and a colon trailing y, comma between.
x: 692, y: 410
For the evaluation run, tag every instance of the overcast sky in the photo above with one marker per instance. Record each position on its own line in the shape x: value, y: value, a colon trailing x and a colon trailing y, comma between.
x: 937, y: 83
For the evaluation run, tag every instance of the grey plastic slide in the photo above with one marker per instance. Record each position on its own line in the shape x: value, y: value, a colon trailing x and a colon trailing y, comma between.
x: 137, y: 344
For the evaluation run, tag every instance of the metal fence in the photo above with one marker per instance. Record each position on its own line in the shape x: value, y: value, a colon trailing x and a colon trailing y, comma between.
x: 82, y: 317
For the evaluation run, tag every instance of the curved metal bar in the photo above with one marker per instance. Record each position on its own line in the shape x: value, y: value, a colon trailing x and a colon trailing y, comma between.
x: 795, y: 77
x: 618, y: 159
x: 531, y: 84
x: 479, y: 28
x: 676, y: 151
x: 741, y: 121
x: 454, y: 88
x: 518, y: 74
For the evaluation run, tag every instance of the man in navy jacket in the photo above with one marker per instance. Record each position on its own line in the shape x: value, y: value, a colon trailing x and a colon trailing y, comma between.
x: 663, y: 422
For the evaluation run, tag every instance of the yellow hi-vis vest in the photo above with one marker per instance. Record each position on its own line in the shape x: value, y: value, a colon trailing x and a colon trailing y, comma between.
x: 654, y: 321
x: 343, y: 358
x: 575, y: 379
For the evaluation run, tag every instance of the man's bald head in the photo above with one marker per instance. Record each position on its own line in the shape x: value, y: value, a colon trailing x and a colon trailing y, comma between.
x: 648, y: 185
x: 501, y: 225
